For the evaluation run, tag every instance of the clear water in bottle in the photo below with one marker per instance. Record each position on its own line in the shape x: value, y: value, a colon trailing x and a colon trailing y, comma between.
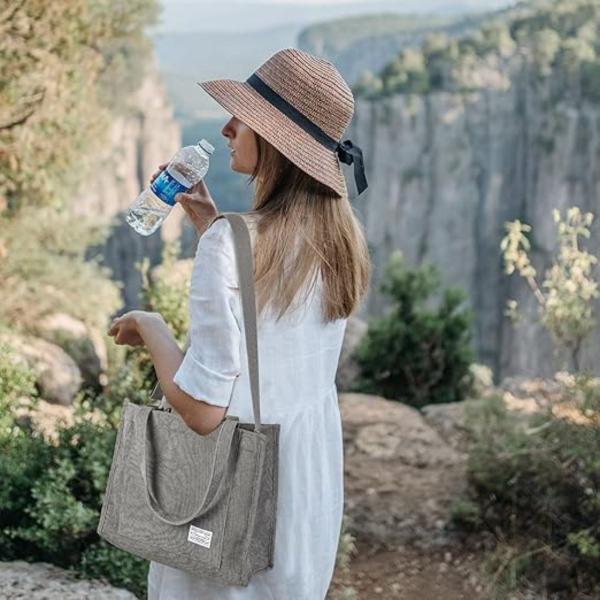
x: 185, y: 170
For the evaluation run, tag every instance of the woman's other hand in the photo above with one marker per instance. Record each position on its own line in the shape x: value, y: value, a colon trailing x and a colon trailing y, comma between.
x: 126, y: 328
x: 197, y: 203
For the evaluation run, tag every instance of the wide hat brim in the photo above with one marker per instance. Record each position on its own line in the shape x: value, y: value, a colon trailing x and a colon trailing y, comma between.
x: 242, y: 101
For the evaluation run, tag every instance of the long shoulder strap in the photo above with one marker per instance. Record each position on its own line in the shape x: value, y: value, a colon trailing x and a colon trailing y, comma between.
x: 245, y: 268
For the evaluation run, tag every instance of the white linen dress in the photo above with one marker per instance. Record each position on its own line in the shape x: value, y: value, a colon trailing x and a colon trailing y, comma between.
x: 298, y: 358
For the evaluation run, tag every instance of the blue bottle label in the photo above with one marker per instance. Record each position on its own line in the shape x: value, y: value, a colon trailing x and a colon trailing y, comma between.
x: 168, y: 184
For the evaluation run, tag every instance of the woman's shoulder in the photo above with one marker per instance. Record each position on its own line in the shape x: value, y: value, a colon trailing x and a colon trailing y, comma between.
x: 221, y: 233
x: 215, y: 253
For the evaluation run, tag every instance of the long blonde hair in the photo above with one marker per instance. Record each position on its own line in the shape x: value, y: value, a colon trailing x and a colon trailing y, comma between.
x: 303, y: 229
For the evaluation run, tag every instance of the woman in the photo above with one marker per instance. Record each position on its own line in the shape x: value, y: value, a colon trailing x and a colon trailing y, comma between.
x: 311, y: 271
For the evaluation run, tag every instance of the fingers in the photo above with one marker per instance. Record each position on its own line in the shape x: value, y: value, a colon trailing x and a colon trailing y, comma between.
x: 114, y: 326
x: 161, y: 168
x: 194, y: 197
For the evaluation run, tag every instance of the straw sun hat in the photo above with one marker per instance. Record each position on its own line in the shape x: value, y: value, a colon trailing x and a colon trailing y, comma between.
x: 301, y: 105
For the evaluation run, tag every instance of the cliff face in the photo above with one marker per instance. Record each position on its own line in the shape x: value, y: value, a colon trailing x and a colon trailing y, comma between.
x: 368, y: 54
x: 137, y: 143
x: 367, y: 43
x: 446, y: 171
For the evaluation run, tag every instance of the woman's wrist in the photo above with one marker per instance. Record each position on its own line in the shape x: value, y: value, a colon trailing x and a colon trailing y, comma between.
x: 145, y: 320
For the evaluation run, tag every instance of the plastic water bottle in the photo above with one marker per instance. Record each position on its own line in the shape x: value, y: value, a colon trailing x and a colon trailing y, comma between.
x: 185, y: 170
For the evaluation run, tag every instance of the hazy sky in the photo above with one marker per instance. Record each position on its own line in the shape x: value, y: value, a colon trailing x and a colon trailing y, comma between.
x: 254, y: 15
x: 172, y: 2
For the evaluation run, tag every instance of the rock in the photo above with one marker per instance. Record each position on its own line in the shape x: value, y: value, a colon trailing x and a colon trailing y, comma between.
x: 86, y: 346
x: 57, y: 375
x: 45, y: 417
x: 347, y: 369
x: 42, y: 581
x: 400, y: 474
x: 448, y: 420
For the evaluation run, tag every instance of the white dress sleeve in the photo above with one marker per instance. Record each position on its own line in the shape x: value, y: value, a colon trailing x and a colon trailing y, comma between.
x: 212, y: 362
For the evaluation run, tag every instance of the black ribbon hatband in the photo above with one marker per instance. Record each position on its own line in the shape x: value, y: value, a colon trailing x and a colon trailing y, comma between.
x: 347, y: 152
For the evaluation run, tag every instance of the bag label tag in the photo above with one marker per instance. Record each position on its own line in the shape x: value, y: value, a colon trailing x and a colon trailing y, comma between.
x: 202, y: 537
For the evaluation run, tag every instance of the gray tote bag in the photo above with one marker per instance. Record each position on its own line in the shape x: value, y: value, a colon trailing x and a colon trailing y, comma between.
x: 203, y: 504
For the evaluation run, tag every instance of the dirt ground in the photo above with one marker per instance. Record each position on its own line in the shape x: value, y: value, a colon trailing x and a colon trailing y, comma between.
x: 410, y: 574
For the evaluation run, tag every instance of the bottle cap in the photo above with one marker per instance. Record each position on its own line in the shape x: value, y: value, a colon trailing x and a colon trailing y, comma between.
x: 206, y: 145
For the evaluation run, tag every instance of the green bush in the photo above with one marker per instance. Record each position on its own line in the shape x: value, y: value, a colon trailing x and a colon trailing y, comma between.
x: 51, y: 496
x: 167, y: 291
x: 535, y: 484
x: 122, y: 569
x: 17, y: 382
x: 415, y: 353
x: 51, y: 492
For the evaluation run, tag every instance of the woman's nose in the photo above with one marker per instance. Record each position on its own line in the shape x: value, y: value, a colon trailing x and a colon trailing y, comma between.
x: 229, y: 129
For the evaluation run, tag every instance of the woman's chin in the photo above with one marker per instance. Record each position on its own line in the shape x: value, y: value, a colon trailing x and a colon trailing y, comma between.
x: 235, y: 167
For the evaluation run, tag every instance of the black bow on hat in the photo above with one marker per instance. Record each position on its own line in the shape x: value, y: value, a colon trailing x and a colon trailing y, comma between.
x: 348, y: 153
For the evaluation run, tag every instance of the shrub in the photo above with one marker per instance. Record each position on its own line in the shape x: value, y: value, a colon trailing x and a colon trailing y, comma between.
x: 51, y: 496
x: 416, y: 354
x: 17, y: 381
x: 52, y: 489
x: 167, y: 290
x: 535, y: 484
x: 103, y: 561
x: 566, y: 296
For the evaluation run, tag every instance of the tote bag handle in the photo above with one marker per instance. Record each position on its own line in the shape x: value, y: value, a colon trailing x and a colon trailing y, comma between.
x: 218, y: 470
x: 245, y: 267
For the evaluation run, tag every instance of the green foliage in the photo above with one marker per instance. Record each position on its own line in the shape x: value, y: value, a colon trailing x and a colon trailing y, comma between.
x: 416, y: 354
x: 168, y: 289
x: 67, y: 68
x: 52, y: 490
x: 535, y: 484
x: 557, y: 38
x: 55, y: 515
x: 43, y: 269
x: 566, y: 296
x: 465, y: 513
x: 60, y: 62
x: 122, y: 569
x: 17, y: 381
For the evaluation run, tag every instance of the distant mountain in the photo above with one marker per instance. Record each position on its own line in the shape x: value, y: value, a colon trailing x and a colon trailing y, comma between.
x: 367, y: 43
x: 185, y: 58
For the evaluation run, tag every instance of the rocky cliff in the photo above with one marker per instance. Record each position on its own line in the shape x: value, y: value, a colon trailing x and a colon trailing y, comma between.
x: 447, y: 170
x: 138, y: 141
x: 365, y: 44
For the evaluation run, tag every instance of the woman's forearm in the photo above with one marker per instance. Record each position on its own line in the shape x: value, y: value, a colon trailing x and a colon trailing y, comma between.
x: 167, y: 358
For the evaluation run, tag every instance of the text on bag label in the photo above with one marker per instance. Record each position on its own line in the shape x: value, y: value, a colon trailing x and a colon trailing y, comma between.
x: 202, y: 537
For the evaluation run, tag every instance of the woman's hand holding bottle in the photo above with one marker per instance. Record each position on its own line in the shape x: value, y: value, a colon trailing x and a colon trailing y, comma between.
x: 197, y: 203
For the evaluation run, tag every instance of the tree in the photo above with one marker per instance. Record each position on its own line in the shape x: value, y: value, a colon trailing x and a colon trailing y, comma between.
x: 59, y: 64
x: 416, y: 354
